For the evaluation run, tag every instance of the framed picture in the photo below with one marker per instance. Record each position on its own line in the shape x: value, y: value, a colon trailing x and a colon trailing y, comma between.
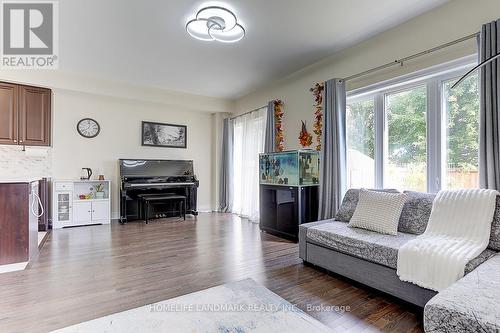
x: 164, y: 135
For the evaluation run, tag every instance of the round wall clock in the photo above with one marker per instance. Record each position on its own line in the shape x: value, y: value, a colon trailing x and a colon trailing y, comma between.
x: 88, y: 128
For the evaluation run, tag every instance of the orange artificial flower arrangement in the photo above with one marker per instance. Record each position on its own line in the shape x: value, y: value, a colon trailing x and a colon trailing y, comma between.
x: 317, y: 91
x: 278, y: 119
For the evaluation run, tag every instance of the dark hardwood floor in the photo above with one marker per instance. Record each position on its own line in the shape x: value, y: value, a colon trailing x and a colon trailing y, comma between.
x: 88, y: 272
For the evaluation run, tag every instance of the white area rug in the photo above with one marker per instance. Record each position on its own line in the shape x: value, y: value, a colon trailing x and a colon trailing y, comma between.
x: 238, y: 307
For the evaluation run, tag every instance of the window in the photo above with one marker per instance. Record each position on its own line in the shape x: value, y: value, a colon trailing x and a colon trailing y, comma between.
x: 361, y: 144
x: 406, y: 159
x: 461, y: 107
x: 415, y: 133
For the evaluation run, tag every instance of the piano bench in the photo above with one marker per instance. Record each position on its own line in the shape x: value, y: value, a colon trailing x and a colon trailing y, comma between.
x: 151, y: 199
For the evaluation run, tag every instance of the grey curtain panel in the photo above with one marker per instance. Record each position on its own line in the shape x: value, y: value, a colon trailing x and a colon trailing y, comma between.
x: 270, y: 138
x: 333, y: 149
x: 226, y: 177
x: 489, y: 123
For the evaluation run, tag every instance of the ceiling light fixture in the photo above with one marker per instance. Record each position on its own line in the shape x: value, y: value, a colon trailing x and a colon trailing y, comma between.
x: 215, y: 23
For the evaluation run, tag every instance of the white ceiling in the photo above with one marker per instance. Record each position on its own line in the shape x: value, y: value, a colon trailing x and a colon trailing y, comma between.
x: 144, y: 42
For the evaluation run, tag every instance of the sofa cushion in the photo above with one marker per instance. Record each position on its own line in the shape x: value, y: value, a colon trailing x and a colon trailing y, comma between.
x: 481, y: 258
x: 416, y: 212
x: 412, y: 218
x: 350, y: 201
x: 495, y: 228
x: 469, y: 305
x: 378, y: 211
x: 365, y: 244
x: 372, y: 246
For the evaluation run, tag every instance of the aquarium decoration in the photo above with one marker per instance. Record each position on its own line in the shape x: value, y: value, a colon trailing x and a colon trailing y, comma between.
x: 291, y: 168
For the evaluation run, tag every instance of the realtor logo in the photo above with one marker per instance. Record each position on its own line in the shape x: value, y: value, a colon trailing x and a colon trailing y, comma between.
x: 29, y: 34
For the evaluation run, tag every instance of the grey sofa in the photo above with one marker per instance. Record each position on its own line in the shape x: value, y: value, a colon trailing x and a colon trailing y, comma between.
x: 371, y: 258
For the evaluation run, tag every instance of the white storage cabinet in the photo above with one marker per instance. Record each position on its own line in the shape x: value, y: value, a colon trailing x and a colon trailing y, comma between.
x: 70, y: 210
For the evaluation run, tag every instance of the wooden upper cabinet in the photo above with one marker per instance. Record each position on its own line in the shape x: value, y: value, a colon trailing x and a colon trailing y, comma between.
x: 8, y: 113
x: 34, y: 116
x: 24, y: 115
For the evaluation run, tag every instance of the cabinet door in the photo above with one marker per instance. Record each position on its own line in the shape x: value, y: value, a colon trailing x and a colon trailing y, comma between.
x: 63, y: 207
x: 82, y: 212
x: 100, y: 210
x: 287, y: 209
x: 14, y: 216
x: 268, y: 205
x: 8, y: 113
x: 34, y: 116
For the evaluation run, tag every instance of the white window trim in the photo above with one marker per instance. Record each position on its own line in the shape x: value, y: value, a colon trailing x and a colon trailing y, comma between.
x: 433, y: 79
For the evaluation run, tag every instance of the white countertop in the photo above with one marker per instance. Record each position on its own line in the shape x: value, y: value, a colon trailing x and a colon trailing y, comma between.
x: 19, y: 180
x: 79, y: 180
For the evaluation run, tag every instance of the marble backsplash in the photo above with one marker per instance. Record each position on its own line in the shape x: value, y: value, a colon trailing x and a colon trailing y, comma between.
x: 34, y: 162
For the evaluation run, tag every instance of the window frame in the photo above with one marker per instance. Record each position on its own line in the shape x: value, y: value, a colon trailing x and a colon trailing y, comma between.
x: 363, y: 98
x: 400, y: 89
x: 433, y: 78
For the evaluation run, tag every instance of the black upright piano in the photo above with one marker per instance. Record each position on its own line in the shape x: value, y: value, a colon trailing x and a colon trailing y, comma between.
x: 155, y: 177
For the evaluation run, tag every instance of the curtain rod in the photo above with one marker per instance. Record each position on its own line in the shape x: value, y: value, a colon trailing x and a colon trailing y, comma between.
x: 413, y: 56
x: 487, y: 61
x: 256, y: 109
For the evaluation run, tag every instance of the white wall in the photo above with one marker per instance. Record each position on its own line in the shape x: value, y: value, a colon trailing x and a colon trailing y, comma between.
x: 454, y: 20
x: 62, y: 80
x: 120, y: 137
x: 119, y: 109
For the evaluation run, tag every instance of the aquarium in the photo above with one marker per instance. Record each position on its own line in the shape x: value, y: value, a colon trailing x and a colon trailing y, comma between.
x: 292, y: 168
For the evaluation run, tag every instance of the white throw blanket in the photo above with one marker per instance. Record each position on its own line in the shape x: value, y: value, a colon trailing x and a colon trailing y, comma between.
x: 458, y: 231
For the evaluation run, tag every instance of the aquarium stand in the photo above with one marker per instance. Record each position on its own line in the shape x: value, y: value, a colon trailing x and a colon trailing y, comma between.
x: 284, y: 208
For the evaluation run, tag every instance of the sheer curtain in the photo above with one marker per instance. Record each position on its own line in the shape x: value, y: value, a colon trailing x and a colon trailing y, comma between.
x: 248, y: 142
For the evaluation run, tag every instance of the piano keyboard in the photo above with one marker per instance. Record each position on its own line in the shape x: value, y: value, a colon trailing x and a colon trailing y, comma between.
x: 159, y: 184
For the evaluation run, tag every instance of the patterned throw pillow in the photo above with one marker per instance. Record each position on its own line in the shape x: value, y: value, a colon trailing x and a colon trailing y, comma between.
x: 378, y: 211
x: 350, y: 201
x: 416, y: 212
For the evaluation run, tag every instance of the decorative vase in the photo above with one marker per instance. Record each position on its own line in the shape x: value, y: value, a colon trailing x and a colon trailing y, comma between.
x: 305, y: 138
x: 99, y: 195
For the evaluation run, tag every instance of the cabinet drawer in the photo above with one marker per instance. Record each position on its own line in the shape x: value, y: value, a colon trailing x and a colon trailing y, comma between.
x: 63, y: 186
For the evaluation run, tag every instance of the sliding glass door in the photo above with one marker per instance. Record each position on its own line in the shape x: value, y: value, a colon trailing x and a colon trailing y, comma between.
x: 248, y: 143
